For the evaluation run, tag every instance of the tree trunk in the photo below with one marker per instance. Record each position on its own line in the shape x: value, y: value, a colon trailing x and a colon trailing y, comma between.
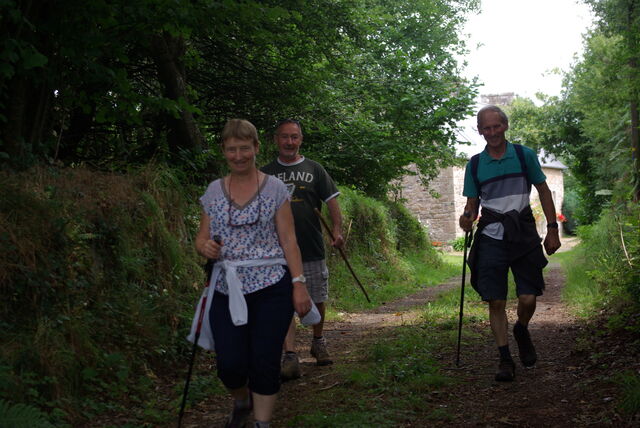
x: 40, y: 112
x: 183, y: 130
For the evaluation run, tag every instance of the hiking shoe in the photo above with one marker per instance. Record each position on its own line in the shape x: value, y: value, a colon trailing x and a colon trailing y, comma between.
x: 319, y: 352
x: 525, y: 345
x: 506, y: 371
x: 290, y: 367
x: 239, y: 416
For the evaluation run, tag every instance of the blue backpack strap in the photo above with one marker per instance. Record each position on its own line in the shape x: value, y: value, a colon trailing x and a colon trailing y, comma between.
x: 523, y: 163
x: 475, y: 159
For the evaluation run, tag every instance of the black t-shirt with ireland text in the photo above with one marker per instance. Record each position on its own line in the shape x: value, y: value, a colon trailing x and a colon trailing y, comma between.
x: 309, y: 185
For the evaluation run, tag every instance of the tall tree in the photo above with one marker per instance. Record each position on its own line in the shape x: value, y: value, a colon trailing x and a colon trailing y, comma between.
x: 121, y: 81
x: 589, y: 126
x: 621, y: 18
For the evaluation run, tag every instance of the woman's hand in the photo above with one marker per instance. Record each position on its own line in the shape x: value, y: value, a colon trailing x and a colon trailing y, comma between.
x: 210, y: 249
x: 206, y: 246
x: 301, y: 299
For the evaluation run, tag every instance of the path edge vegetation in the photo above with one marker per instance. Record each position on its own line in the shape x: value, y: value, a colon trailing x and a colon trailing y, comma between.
x: 100, y: 278
x: 603, y: 289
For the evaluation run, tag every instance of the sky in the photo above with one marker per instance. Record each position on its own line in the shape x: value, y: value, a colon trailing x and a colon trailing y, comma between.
x: 516, y: 44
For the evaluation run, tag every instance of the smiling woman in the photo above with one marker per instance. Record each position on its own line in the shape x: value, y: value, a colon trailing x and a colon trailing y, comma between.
x: 251, y: 296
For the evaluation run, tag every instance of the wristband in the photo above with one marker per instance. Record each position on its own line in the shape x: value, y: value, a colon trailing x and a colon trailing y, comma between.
x: 553, y: 225
x: 299, y: 278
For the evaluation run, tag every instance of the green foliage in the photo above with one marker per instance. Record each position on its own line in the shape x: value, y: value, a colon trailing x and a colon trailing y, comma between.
x: 557, y: 127
x: 21, y: 416
x: 388, y: 263
x: 410, y: 234
x: 86, y: 252
x: 602, y: 273
x: 570, y: 205
x: 458, y: 243
x: 590, y: 127
x: 123, y: 82
x: 630, y: 400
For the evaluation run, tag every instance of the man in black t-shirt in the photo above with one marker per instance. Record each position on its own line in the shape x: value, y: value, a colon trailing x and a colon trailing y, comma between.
x: 309, y: 185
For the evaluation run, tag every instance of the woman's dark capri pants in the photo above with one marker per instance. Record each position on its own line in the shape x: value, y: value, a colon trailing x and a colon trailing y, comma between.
x: 252, y: 351
x: 493, y: 268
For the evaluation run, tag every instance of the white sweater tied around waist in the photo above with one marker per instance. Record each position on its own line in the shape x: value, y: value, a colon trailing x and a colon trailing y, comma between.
x: 237, y: 302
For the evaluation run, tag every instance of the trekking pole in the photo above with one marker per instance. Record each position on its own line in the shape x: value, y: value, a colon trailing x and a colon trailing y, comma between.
x: 208, y: 268
x: 464, y: 271
x: 344, y: 256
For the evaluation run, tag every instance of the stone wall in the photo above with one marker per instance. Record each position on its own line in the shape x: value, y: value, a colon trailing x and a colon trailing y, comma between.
x: 432, y: 212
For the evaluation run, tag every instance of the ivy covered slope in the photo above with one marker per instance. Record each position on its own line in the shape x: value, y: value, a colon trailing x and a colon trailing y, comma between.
x: 99, y: 278
x: 98, y: 275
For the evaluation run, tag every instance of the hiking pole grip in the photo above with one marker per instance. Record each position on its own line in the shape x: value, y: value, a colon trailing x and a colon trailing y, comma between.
x: 344, y: 256
x: 208, y: 269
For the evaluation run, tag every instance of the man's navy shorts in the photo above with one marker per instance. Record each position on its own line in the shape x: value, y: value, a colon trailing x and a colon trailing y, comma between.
x: 493, y: 267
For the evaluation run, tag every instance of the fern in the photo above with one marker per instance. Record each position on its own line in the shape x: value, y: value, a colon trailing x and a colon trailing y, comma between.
x: 22, y: 415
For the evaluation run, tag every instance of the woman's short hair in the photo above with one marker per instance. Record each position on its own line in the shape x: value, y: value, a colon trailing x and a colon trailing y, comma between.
x: 240, y: 129
x: 495, y: 109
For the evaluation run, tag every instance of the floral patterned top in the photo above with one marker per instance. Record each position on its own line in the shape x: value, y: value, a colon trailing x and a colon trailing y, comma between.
x: 248, y: 232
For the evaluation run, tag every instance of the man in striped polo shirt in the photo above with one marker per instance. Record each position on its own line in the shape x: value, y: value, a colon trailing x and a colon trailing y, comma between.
x: 499, y: 179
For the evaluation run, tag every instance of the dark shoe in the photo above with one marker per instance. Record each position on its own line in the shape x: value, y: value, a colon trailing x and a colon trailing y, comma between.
x: 239, y: 416
x: 525, y: 345
x: 290, y: 368
x: 320, y: 353
x: 506, y: 371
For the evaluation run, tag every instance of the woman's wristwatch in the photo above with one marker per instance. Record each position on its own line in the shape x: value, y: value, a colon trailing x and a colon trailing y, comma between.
x: 553, y: 225
x: 299, y: 278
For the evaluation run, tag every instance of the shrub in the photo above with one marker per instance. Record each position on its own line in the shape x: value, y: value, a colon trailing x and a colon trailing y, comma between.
x: 379, y: 238
x: 458, y: 243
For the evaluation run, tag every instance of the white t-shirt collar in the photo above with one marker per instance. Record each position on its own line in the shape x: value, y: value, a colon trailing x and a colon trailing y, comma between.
x: 292, y: 163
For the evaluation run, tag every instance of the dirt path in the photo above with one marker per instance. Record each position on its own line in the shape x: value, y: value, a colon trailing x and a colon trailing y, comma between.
x: 547, y: 395
x: 563, y: 390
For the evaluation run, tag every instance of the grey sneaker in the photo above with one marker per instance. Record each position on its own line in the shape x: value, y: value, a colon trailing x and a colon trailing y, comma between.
x: 319, y: 352
x: 290, y: 367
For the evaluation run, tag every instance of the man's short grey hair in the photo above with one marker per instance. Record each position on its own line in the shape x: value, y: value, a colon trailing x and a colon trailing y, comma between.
x: 495, y: 109
x: 289, y: 120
